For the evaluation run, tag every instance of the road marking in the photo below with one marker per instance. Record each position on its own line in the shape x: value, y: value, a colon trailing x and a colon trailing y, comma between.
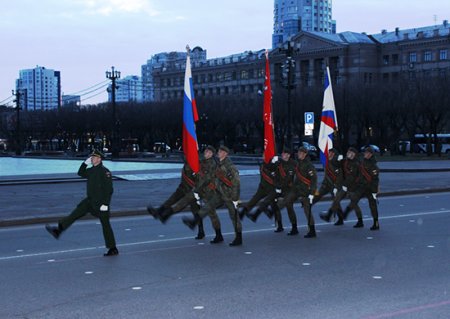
x: 430, y: 246
x: 199, y: 307
x: 88, y: 272
x: 248, y: 253
x: 409, y: 310
x: 136, y: 288
x: 165, y: 240
x: 306, y: 264
x: 377, y: 277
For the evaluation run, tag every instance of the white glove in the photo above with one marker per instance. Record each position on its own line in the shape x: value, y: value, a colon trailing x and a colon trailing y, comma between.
x: 344, y: 188
x: 274, y: 159
x: 374, y: 195
x: 235, y: 203
x: 104, y: 208
x: 88, y: 161
x: 278, y: 190
x: 340, y: 158
x: 311, y: 197
x: 196, y: 196
x: 334, y: 191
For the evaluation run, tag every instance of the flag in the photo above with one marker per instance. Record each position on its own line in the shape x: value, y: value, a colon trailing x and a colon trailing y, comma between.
x: 190, y: 116
x: 328, y: 122
x: 269, y: 139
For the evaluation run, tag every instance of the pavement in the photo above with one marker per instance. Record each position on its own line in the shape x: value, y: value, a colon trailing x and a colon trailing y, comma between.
x: 48, y: 197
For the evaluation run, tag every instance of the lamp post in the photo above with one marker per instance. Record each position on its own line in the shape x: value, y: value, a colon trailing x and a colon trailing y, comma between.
x: 113, y: 75
x: 18, y: 93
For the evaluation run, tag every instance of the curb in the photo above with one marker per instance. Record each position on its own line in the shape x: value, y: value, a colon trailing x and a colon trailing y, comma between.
x: 131, y: 213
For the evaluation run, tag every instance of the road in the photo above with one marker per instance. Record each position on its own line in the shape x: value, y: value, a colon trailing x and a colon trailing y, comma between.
x: 401, y: 271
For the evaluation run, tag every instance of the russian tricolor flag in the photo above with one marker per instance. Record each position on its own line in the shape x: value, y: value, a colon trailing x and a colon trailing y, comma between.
x: 190, y: 116
x: 328, y: 122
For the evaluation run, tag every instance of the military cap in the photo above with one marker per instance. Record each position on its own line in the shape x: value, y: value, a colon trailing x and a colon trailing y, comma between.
x: 335, y: 151
x: 303, y: 149
x: 286, y: 150
x: 98, y: 154
x: 369, y: 149
x: 224, y: 148
x: 210, y: 148
x: 352, y: 149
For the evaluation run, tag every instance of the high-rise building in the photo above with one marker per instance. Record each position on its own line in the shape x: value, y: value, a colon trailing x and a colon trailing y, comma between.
x: 40, y: 88
x: 293, y: 16
x: 129, y: 89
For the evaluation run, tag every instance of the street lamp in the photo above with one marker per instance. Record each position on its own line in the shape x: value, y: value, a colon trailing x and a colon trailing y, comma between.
x: 18, y: 94
x: 113, y: 75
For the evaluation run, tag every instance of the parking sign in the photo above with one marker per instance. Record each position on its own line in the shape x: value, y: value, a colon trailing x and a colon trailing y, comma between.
x: 309, y: 117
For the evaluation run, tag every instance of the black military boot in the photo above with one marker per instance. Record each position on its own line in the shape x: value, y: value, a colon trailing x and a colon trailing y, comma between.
x: 294, y: 230
x: 165, y: 214
x: 311, y: 233
x: 254, y: 217
x: 237, y: 240
x: 346, y: 212
x: 190, y: 222
x: 201, y: 231
x: 375, y: 225
x: 218, y: 238
x: 359, y: 224
x: 54, y: 231
x: 327, y: 216
x: 243, y: 212
x: 152, y: 211
x: 340, y: 220
x: 111, y: 252
x: 279, y: 228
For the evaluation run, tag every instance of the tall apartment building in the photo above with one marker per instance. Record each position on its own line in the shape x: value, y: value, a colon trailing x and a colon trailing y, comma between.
x: 129, y: 89
x: 40, y: 88
x: 163, y: 61
x: 293, y: 16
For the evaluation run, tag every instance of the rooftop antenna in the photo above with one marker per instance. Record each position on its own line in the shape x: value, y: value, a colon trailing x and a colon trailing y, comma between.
x: 435, y: 19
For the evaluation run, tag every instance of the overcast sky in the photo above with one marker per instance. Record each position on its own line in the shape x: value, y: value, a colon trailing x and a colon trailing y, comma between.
x: 84, y: 38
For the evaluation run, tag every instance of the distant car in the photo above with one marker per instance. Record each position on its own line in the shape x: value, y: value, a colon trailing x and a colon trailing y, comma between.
x: 373, y: 146
x: 161, y: 147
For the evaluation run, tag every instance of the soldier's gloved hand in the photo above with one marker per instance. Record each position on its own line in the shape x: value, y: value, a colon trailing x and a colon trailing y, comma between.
x: 88, y: 161
x: 311, y: 197
x: 344, y: 188
x: 278, y: 190
x: 104, y: 208
x: 197, y: 198
x: 235, y: 203
x: 334, y: 191
x: 374, y: 195
x: 274, y: 159
x: 340, y: 158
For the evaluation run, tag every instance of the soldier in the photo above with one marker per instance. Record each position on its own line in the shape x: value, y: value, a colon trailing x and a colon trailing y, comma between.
x: 332, y: 183
x: 185, y: 187
x: 99, y: 192
x: 305, y: 184
x: 266, y: 187
x: 227, y: 193
x: 204, y: 189
x: 368, y: 186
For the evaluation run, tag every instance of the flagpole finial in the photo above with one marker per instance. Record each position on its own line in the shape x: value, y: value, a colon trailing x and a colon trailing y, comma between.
x: 267, y: 54
x: 188, y: 49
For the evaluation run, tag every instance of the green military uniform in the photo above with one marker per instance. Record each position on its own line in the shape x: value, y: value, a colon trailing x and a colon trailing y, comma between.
x: 99, y: 192
x: 367, y: 186
x: 332, y: 183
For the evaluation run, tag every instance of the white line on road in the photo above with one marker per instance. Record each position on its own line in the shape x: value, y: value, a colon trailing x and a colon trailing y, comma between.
x: 190, y: 237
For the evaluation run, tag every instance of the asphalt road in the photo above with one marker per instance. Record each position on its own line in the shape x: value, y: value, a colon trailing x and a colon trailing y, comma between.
x: 401, y: 271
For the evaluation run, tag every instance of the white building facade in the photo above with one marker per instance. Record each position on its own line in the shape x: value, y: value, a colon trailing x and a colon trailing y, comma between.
x: 129, y: 89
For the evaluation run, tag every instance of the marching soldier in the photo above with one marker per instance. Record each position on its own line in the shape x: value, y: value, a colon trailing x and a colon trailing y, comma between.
x: 99, y: 192
x: 332, y: 183
x: 227, y: 193
x: 184, y: 188
x: 367, y: 187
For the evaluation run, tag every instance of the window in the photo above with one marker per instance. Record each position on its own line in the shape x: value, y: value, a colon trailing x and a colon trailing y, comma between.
x: 427, y: 57
x: 443, y: 55
x: 395, y: 59
x: 412, y: 57
x: 385, y: 59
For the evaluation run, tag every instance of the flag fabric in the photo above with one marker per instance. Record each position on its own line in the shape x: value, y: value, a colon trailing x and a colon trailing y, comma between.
x: 328, y: 122
x: 190, y: 116
x: 269, y: 139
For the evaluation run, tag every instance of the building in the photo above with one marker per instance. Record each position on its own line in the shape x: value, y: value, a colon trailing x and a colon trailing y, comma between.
x: 163, y: 61
x: 40, y: 89
x: 128, y: 89
x: 387, y: 57
x: 293, y: 16
x: 71, y: 100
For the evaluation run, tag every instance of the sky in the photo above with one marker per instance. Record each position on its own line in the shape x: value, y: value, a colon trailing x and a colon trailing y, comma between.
x: 84, y: 38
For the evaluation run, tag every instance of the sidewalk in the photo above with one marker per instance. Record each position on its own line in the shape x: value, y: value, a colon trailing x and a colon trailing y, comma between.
x: 46, y: 198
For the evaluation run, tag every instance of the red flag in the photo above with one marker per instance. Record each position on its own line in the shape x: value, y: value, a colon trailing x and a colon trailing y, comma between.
x: 269, y: 139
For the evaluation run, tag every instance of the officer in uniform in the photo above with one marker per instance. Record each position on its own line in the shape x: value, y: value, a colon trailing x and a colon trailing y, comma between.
x: 368, y: 187
x: 266, y: 187
x: 204, y: 189
x: 332, y: 183
x: 227, y: 193
x: 99, y: 192
x: 185, y: 187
